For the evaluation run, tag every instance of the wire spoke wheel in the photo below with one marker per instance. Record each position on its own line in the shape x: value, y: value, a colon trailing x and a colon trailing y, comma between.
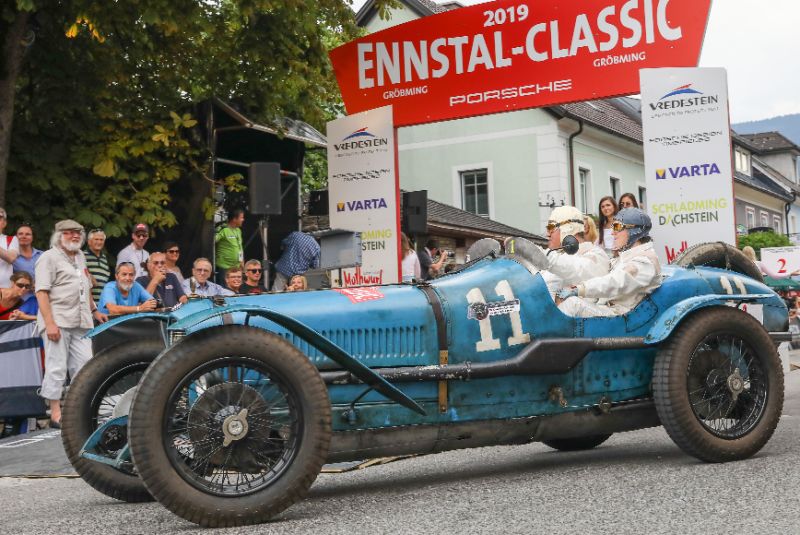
x: 727, y: 386
x: 234, y: 437
x: 102, y: 390
x: 230, y: 427
x: 718, y: 385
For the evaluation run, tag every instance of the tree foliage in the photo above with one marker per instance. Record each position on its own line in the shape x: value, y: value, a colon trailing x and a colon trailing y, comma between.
x: 102, y: 120
x: 758, y: 240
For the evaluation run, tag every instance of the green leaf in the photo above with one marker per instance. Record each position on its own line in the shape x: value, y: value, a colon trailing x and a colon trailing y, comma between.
x: 104, y: 168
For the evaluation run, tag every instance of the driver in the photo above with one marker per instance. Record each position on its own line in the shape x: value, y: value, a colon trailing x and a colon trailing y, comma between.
x: 564, y: 269
x: 635, y: 272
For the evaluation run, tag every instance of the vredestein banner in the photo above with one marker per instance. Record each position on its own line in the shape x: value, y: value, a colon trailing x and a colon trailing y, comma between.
x: 516, y: 54
x: 362, y: 192
x: 687, y: 158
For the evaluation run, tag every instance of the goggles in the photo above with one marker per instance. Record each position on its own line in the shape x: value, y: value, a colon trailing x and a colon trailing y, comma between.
x: 552, y: 225
x: 619, y: 226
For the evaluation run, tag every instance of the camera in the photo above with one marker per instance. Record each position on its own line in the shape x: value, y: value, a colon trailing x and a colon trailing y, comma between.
x: 449, y: 254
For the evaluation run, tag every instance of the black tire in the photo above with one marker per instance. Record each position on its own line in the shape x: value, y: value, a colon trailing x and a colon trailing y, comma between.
x: 576, y: 444
x: 719, y: 255
x: 718, y: 385
x: 181, y: 408
x: 89, y: 402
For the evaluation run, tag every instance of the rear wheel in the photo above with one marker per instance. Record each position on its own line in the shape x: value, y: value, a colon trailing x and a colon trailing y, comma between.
x: 230, y: 427
x: 718, y: 385
x: 576, y: 444
x: 102, y: 384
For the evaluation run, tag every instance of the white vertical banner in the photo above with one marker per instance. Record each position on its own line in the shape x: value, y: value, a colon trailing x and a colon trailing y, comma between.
x: 687, y: 157
x: 362, y: 192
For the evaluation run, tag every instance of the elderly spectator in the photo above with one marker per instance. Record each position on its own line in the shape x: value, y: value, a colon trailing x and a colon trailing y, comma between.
x: 97, y: 262
x: 173, y: 252
x: 124, y: 295
x: 65, y: 311
x: 230, y: 251
x: 28, y: 254
x: 252, y: 273
x: 297, y: 283
x: 233, y: 279
x: 162, y: 284
x: 13, y: 305
x: 300, y: 253
x: 9, y: 250
x: 199, y: 285
x: 135, y: 253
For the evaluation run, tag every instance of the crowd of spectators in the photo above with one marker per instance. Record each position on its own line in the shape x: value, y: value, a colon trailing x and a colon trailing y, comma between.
x: 76, y: 283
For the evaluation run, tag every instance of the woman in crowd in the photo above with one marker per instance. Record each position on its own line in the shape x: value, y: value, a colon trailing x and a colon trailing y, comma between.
x: 13, y: 305
x: 173, y: 252
x: 627, y: 200
x: 750, y: 253
x: 589, y: 229
x: 297, y: 283
x: 410, y: 263
x: 28, y: 254
x: 607, y: 209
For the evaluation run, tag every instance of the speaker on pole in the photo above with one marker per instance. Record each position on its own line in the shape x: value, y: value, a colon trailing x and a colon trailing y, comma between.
x: 414, y: 218
x: 265, y: 188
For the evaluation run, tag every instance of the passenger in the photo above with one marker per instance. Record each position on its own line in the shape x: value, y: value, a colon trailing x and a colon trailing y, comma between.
x: 564, y: 269
x: 635, y: 272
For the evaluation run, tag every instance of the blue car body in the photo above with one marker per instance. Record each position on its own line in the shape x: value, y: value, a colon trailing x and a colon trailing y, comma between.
x: 490, y: 311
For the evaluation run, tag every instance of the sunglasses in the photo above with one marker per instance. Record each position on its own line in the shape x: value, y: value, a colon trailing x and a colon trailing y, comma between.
x: 255, y: 270
x: 23, y: 286
x: 158, y: 262
x: 202, y: 270
x: 618, y: 226
x: 552, y: 225
x: 174, y: 251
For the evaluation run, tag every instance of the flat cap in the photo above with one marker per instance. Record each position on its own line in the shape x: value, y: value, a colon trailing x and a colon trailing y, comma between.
x: 68, y: 224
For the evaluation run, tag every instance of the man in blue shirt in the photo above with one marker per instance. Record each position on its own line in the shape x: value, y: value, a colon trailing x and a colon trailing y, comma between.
x: 199, y: 285
x: 124, y: 295
x: 300, y: 253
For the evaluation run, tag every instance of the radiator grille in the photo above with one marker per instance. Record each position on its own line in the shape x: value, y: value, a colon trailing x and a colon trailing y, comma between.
x: 369, y: 345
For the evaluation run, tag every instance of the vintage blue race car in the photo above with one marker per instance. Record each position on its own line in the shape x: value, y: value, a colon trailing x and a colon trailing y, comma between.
x: 241, y: 400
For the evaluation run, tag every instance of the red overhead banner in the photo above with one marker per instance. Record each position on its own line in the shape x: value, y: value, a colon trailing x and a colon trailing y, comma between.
x: 510, y: 55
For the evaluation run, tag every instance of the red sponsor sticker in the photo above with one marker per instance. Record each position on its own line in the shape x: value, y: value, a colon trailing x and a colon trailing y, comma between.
x: 359, y: 295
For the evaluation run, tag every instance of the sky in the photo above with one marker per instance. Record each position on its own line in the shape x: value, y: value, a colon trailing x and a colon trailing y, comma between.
x: 757, y: 43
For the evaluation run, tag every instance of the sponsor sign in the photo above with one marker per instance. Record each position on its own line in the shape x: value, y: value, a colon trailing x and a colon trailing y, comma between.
x: 516, y: 54
x: 362, y: 192
x: 781, y: 261
x: 687, y: 158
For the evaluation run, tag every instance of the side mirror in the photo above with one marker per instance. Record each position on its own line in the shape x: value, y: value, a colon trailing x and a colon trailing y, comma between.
x: 570, y: 245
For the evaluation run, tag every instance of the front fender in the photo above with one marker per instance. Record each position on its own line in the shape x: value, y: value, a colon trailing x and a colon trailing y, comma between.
x: 315, y: 339
x: 103, y: 327
x: 669, y: 320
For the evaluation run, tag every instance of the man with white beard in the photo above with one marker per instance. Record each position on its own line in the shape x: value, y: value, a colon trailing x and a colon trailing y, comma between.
x: 124, y: 295
x: 66, y: 308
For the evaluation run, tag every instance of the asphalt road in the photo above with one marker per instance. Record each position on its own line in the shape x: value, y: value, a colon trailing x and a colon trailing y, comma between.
x: 637, y: 482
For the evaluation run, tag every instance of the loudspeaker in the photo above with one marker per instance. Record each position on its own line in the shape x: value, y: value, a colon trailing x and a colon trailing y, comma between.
x: 265, y: 188
x: 415, y: 212
x: 318, y: 202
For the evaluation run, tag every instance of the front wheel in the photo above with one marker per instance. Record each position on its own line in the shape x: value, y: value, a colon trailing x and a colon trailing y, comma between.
x: 104, y: 384
x: 230, y: 427
x: 718, y: 385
